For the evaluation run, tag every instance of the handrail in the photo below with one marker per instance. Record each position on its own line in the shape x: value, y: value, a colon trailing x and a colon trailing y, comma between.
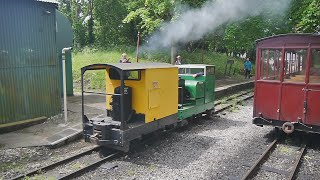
x: 92, y: 92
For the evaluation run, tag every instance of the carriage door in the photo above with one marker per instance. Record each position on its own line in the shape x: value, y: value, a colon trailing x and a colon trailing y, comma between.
x: 313, y: 89
x: 294, y: 77
x: 268, y: 86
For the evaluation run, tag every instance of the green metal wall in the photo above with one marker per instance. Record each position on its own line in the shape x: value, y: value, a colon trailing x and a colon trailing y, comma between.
x: 29, y: 67
x: 64, y: 39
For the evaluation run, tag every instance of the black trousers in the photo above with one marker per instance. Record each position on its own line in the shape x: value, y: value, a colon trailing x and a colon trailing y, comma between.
x: 247, y: 74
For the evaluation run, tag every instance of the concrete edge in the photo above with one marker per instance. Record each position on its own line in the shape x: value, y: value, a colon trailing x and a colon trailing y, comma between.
x: 227, y: 90
x: 9, y: 127
x: 66, y: 139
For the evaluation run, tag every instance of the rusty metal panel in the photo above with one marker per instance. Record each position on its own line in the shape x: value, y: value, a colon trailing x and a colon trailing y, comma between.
x: 29, y: 68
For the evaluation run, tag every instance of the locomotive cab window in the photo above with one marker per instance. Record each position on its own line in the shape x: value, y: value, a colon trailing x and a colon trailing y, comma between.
x: 128, y: 75
x: 191, y: 70
x: 210, y: 70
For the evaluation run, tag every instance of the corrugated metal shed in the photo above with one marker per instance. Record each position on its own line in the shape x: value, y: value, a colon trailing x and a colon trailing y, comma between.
x: 64, y: 39
x: 29, y: 67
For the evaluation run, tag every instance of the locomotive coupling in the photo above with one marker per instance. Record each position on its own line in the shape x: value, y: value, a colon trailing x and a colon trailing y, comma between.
x: 288, y: 127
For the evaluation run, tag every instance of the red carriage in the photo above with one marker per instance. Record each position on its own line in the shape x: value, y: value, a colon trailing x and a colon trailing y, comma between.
x: 287, y: 82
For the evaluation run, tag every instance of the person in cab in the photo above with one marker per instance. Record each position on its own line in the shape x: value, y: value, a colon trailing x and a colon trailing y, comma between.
x: 124, y: 59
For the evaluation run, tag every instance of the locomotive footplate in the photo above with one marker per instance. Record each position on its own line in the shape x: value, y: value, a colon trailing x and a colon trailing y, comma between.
x: 106, y: 132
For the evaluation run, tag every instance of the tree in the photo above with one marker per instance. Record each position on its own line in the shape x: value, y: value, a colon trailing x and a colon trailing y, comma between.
x: 305, y: 15
x: 79, y: 13
x: 110, y: 30
x: 310, y: 21
x: 149, y: 14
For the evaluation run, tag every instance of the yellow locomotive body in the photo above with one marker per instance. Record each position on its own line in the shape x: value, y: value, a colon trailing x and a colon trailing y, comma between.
x: 154, y: 93
x: 140, y: 98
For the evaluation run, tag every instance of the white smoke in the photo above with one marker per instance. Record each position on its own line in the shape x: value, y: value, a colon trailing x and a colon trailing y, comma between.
x: 195, y: 23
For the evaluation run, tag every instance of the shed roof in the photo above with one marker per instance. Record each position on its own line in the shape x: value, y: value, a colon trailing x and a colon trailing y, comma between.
x: 128, y: 66
x: 49, y: 1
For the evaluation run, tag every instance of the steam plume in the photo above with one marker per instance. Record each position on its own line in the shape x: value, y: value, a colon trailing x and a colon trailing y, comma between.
x: 195, y: 23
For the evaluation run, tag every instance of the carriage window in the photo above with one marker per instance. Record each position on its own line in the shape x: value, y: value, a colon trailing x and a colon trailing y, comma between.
x: 315, y: 66
x: 270, y: 64
x: 295, y: 65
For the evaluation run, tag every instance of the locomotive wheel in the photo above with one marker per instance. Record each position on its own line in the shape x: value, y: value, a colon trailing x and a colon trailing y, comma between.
x: 210, y: 114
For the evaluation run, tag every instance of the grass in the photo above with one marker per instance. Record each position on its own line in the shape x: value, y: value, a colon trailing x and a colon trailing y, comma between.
x: 77, y: 166
x: 233, y: 108
x: 6, y: 166
x: 285, y: 150
x: 39, y: 177
x: 96, y: 79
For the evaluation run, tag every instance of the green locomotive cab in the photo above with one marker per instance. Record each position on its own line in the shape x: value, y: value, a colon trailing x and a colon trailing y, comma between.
x: 196, y: 90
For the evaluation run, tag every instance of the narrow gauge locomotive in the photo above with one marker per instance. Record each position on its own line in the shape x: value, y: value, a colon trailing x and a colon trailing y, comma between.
x: 145, y: 97
x: 287, y: 82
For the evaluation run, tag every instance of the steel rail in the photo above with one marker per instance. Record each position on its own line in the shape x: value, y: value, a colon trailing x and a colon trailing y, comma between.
x: 232, y: 104
x: 233, y: 97
x: 86, y: 168
x: 257, y: 164
x: 55, y: 164
x: 296, y: 164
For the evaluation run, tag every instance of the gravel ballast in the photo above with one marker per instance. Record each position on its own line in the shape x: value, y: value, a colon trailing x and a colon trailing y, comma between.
x: 224, y: 147
x: 21, y: 160
x: 220, y: 148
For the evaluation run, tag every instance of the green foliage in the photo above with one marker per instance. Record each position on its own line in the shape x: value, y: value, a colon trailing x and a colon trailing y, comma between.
x: 194, y: 4
x: 113, y: 23
x: 310, y: 21
x: 305, y: 15
x: 240, y: 36
x: 149, y: 14
x: 109, y: 29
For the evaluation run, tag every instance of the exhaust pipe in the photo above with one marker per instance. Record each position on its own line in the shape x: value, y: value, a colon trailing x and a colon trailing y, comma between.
x: 65, y: 83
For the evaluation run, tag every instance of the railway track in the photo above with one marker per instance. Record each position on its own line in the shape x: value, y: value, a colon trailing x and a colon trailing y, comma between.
x: 280, y: 159
x: 53, y: 170
x: 75, y: 168
x: 224, y: 104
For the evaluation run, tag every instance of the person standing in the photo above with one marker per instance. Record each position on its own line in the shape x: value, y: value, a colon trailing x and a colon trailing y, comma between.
x: 178, y: 60
x: 247, y: 68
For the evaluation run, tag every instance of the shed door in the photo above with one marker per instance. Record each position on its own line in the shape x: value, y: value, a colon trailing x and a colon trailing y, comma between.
x: 313, y: 89
x: 294, y: 80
